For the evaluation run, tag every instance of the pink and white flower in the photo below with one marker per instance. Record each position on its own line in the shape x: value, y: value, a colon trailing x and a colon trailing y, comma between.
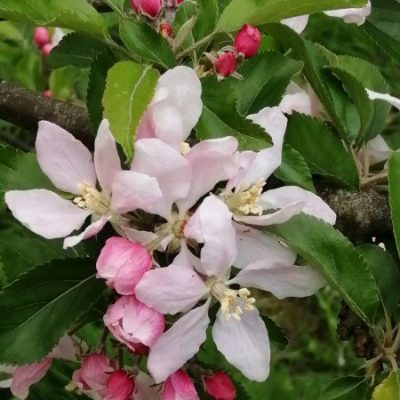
x: 122, y: 263
x: 133, y: 323
x: 239, y: 332
x: 179, y: 386
x: 70, y: 167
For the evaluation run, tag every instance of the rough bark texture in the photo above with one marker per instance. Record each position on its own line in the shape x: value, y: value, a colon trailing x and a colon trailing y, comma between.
x: 26, y: 108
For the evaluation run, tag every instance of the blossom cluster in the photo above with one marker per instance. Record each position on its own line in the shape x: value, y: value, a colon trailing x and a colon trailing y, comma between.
x: 189, y: 246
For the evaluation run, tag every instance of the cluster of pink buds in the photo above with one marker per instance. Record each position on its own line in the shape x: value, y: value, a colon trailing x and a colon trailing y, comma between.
x: 42, y: 40
x: 246, y: 44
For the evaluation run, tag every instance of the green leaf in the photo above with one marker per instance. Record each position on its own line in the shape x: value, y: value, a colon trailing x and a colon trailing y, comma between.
x: 220, y: 118
x: 327, y: 250
x: 386, y: 273
x: 78, y: 49
x: 129, y: 90
x: 346, y: 388
x: 294, y: 169
x: 145, y: 42
x: 258, y: 12
x: 266, y: 77
x: 389, y: 389
x: 394, y: 194
x: 38, y: 308
x: 324, y: 152
x: 72, y: 14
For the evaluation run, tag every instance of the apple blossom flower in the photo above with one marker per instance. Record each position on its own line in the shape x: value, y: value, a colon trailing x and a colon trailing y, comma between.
x: 225, y: 64
x: 247, y: 41
x: 244, y: 193
x: 149, y: 8
x: 119, y: 386
x: 70, y: 167
x: 123, y: 263
x: 219, y: 386
x: 179, y: 386
x: 239, y: 332
x: 133, y: 323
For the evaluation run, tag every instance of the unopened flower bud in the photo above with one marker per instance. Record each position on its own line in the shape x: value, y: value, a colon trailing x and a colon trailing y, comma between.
x: 41, y: 36
x: 225, y: 64
x: 247, y: 41
x: 179, y: 386
x: 166, y: 30
x: 46, y: 49
x: 119, y: 386
x: 149, y: 8
x: 219, y: 386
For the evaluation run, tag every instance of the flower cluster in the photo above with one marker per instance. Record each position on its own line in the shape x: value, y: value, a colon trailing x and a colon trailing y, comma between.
x: 189, y: 246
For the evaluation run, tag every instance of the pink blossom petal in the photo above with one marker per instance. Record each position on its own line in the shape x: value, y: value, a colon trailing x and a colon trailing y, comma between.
x: 158, y: 160
x: 24, y: 377
x: 106, y: 159
x: 171, y: 290
x: 280, y: 279
x: 298, y: 24
x: 285, y: 196
x: 45, y: 213
x: 92, y: 230
x: 180, y: 343
x: 211, y: 224
x: 65, y: 160
x: 254, y: 245
x: 134, y: 191
x: 211, y: 161
x: 179, y: 386
x: 244, y: 343
x: 394, y: 101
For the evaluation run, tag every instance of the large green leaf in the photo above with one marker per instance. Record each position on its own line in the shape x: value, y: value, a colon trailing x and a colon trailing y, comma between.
x: 394, y: 194
x: 38, y: 308
x: 73, y: 14
x: 146, y: 43
x: 220, y: 118
x: 258, y: 12
x: 327, y: 250
x: 389, y: 389
x: 347, y: 388
x: 324, y: 152
x: 266, y: 78
x: 129, y: 90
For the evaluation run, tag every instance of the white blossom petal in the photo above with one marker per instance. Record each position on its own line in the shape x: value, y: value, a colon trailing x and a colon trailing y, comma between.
x: 45, y: 213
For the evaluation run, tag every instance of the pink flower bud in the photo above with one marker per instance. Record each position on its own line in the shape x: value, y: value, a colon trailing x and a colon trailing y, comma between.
x: 119, y: 386
x: 47, y: 93
x: 133, y: 323
x: 92, y: 377
x: 166, y: 30
x: 46, y: 49
x: 219, y: 386
x: 247, y: 41
x: 41, y: 36
x: 179, y: 386
x: 225, y: 64
x: 122, y: 263
x: 150, y: 8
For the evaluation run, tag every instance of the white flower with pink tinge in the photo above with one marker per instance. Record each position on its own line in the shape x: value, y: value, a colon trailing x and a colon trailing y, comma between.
x: 71, y: 168
x: 239, y: 331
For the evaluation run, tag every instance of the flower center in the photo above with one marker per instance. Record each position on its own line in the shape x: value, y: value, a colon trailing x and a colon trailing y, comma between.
x: 233, y: 302
x: 92, y: 199
x: 244, y: 201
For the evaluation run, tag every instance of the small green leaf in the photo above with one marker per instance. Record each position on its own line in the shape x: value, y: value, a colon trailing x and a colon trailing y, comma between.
x: 129, y: 90
x: 77, y: 48
x: 324, y: 152
x: 220, y: 118
x: 389, y: 389
x: 72, y: 14
x: 38, y: 308
x: 327, y: 250
x: 258, y: 12
x: 143, y: 41
x: 346, y: 388
x: 294, y: 169
x: 394, y: 194
x: 266, y: 77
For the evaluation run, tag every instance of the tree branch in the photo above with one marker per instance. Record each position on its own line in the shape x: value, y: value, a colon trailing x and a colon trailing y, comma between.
x: 26, y: 108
